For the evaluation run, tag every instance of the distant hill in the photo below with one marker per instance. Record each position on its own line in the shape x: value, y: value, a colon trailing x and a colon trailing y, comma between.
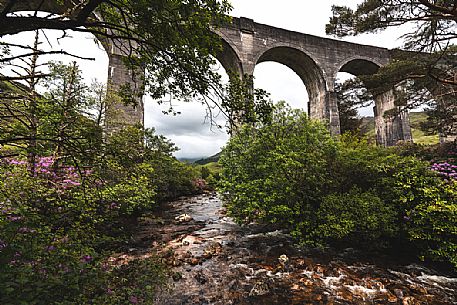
x: 211, y: 159
x: 188, y: 160
x: 415, y: 119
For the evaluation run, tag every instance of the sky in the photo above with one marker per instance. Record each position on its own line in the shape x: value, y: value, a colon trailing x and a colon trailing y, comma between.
x: 189, y: 130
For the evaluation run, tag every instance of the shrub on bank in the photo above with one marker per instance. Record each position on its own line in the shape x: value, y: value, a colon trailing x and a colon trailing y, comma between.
x: 337, y: 192
x: 60, y: 223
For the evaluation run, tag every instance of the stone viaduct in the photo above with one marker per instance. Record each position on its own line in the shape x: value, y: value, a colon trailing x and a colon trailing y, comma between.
x: 315, y: 60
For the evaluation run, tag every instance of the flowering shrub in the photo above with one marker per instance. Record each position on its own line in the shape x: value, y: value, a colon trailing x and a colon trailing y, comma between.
x: 54, y: 227
x: 200, y: 184
x: 59, y: 222
x: 445, y: 170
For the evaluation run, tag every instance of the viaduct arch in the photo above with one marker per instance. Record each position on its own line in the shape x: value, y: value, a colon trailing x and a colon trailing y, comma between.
x: 316, y: 61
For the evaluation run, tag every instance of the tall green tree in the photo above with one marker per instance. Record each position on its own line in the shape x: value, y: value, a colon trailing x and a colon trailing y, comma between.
x: 350, y: 97
x: 66, y: 99
x: 51, y: 123
x: 433, y: 24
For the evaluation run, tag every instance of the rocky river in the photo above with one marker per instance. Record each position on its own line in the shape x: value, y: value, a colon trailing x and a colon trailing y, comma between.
x: 215, y: 261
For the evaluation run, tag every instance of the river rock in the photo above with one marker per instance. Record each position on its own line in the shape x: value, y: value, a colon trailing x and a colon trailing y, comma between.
x: 260, y: 288
x: 176, y: 276
x: 408, y: 301
x: 391, y: 298
x: 398, y: 293
x: 283, y: 259
x: 183, y: 218
x: 194, y: 261
x: 201, y: 278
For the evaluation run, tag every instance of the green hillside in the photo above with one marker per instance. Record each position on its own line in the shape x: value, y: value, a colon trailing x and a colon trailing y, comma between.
x: 211, y: 159
x: 415, y: 119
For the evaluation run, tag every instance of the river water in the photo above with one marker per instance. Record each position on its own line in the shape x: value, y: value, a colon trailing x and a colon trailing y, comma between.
x: 215, y: 261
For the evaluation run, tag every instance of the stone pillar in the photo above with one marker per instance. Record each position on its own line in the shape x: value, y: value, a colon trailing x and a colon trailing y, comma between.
x: 332, y: 113
x: 317, y: 103
x: 391, y: 127
x: 406, y: 133
x: 119, y: 114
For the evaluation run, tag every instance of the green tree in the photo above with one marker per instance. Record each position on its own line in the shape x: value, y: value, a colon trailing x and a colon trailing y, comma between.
x: 441, y: 116
x: 349, y: 100
x: 245, y: 105
x: 137, y: 152
x: 52, y: 123
x: 424, y: 72
x: 277, y: 172
x: 325, y: 191
x: 19, y: 112
x: 172, y: 39
x: 433, y: 21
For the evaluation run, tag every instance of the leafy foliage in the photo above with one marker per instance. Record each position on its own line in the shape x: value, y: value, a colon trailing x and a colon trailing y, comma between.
x: 339, y: 218
x: 51, y: 123
x: 68, y: 206
x: 150, y: 155
x: 172, y: 40
x: 329, y: 192
x: 244, y: 104
x: 442, y: 116
x: 266, y: 170
x: 351, y: 95
x: 55, y: 232
x: 434, y: 20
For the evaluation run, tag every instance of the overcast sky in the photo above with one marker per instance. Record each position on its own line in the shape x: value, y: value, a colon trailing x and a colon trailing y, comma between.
x: 189, y: 130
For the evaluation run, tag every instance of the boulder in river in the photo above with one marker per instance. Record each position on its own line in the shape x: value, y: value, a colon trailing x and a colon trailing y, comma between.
x: 183, y: 218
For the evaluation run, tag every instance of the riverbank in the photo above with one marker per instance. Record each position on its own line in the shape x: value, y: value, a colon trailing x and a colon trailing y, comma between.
x: 215, y: 261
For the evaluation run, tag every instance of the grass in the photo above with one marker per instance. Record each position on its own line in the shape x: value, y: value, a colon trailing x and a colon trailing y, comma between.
x: 214, y: 167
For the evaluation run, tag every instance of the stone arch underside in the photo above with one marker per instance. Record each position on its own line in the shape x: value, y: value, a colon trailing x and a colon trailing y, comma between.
x: 359, y: 67
x: 229, y: 59
x: 308, y: 71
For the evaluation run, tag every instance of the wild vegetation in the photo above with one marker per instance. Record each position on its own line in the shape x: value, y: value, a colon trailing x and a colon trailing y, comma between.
x: 339, y: 192
x: 422, y: 73
x: 71, y: 191
x: 70, y: 194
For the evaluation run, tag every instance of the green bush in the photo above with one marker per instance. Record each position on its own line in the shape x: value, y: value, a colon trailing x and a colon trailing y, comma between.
x: 60, y: 225
x: 55, y: 228
x: 337, y: 192
x: 432, y: 223
x: 149, y: 157
x: 280, y: 172
x: 354, y: 217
